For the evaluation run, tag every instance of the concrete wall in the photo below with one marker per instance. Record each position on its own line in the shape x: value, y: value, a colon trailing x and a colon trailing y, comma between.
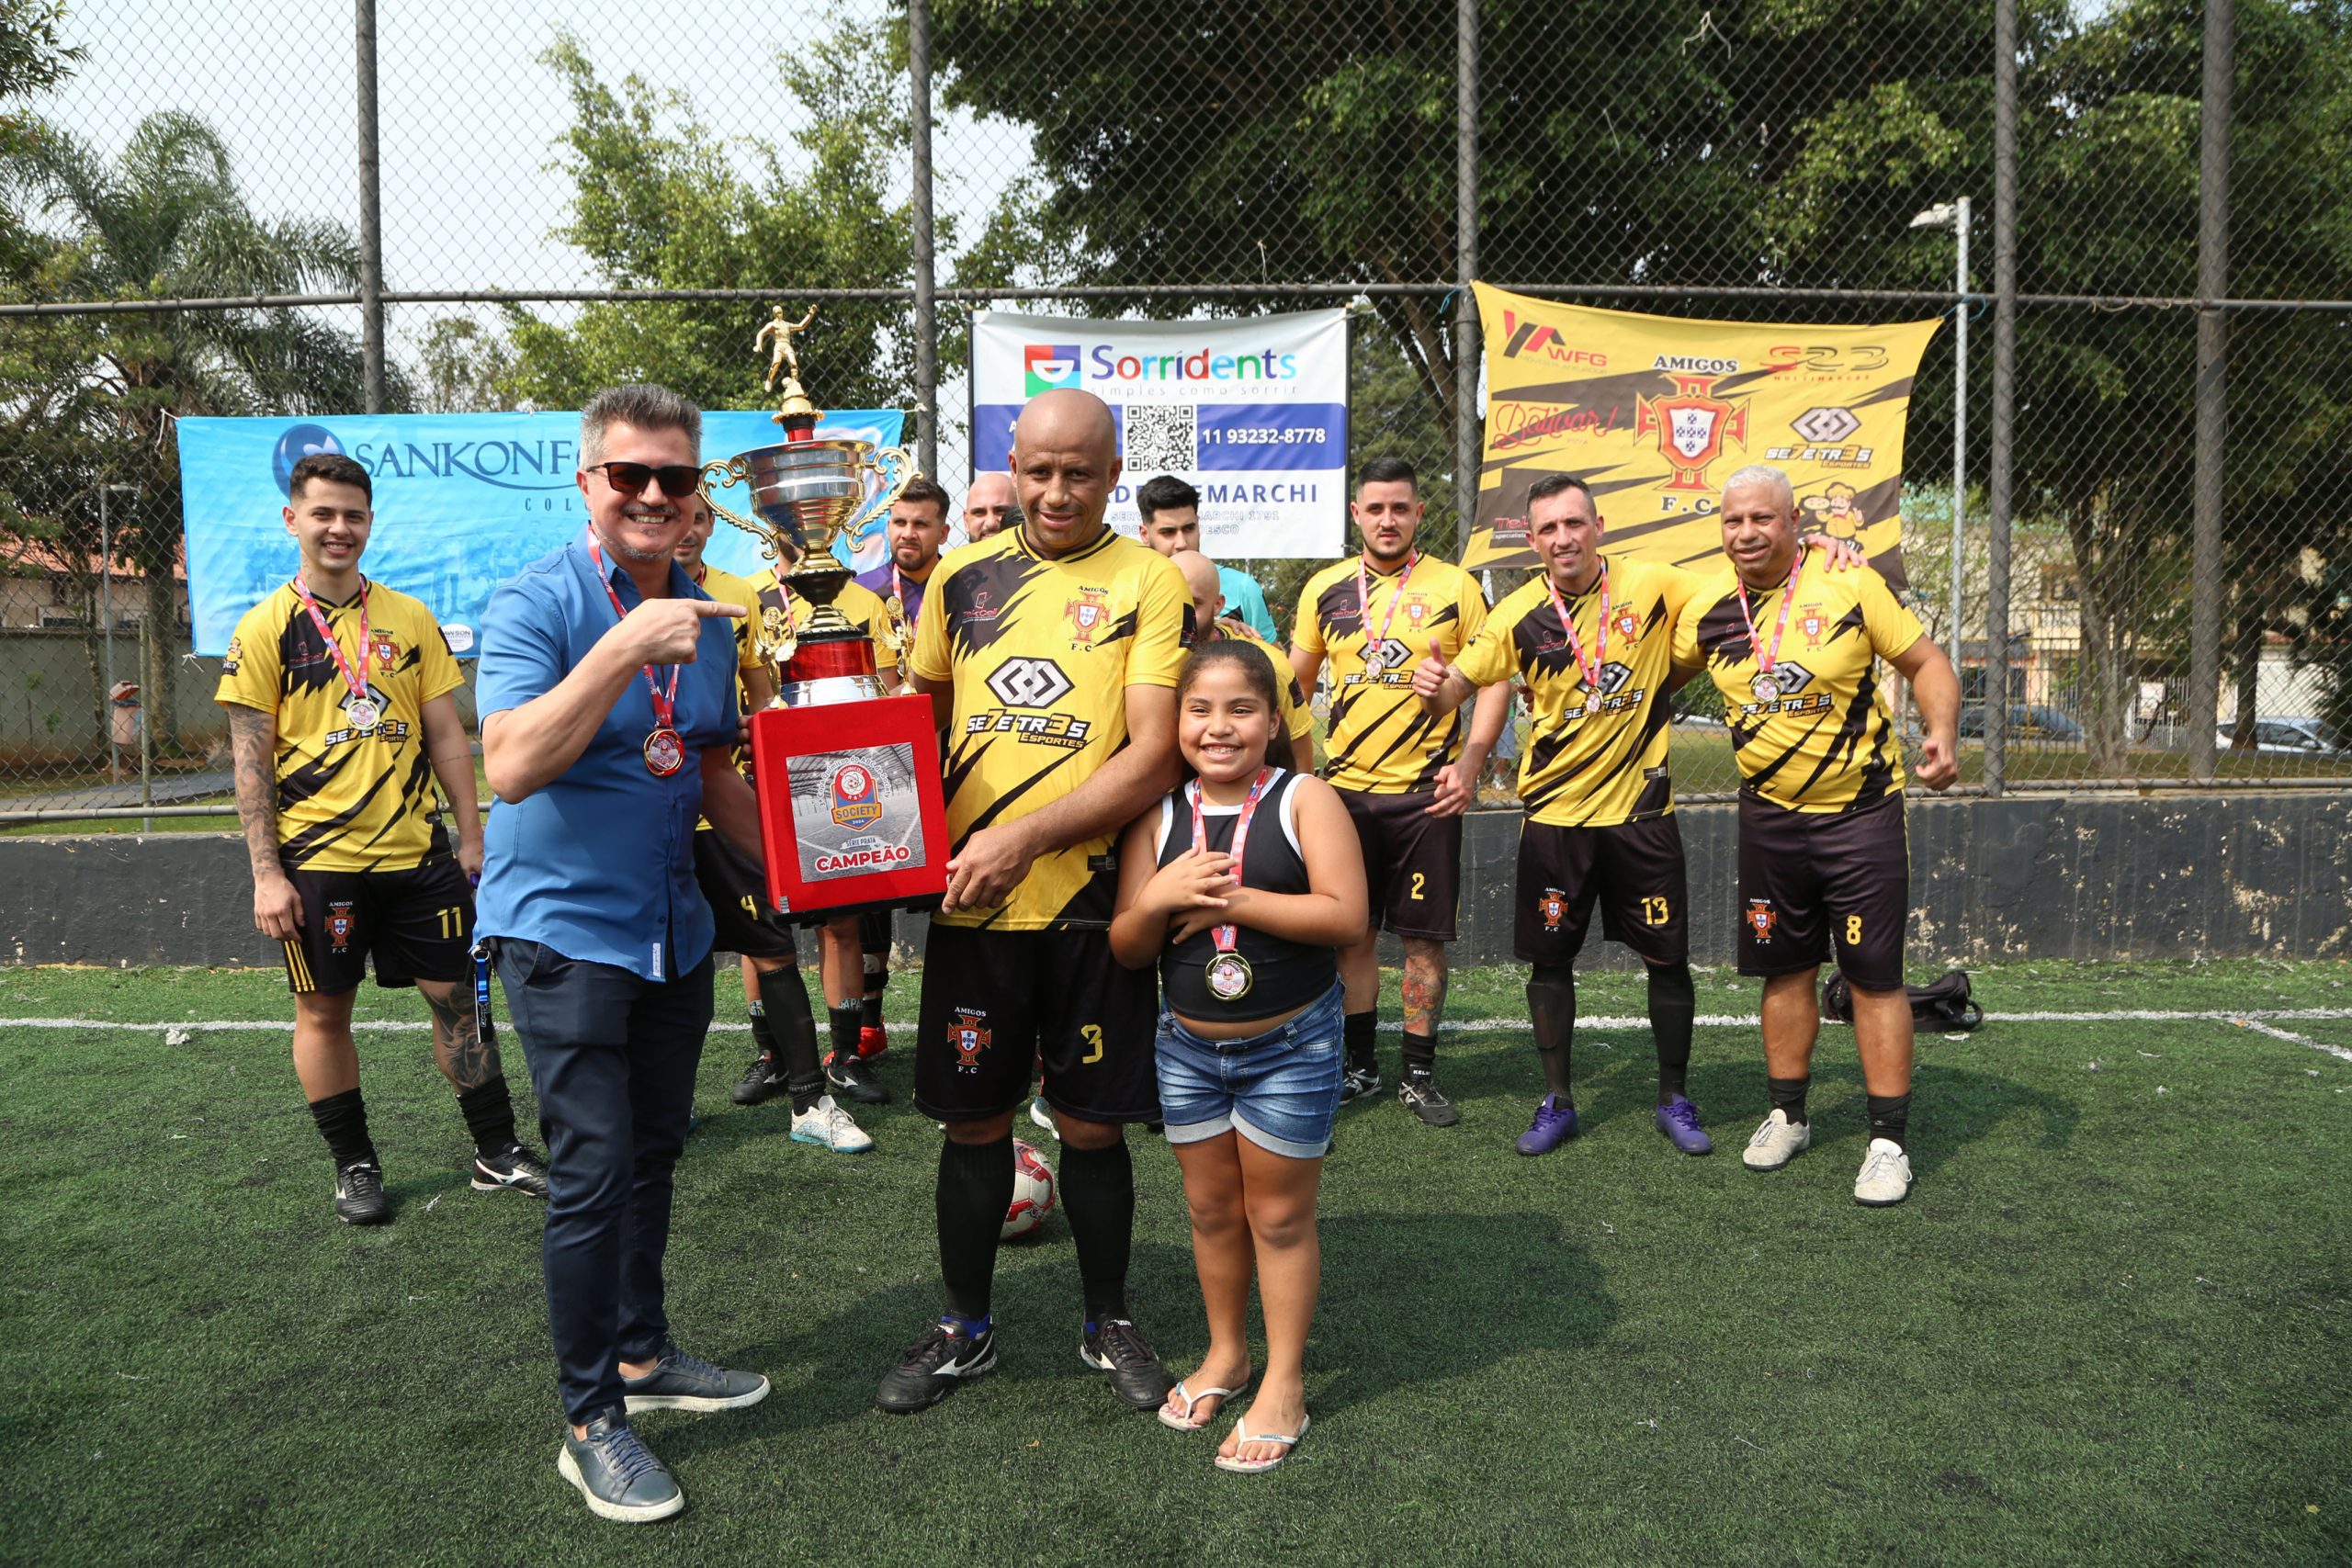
x: 2169, y: 875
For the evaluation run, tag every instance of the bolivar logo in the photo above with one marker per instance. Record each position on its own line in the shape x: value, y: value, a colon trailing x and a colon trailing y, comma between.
x: 1049, y: 366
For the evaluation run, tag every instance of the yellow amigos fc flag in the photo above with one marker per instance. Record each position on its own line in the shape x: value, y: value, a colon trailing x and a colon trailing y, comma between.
x: 1656, y: 411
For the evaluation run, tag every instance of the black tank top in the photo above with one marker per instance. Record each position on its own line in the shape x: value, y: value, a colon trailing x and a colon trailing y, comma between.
x: 1285, y: 975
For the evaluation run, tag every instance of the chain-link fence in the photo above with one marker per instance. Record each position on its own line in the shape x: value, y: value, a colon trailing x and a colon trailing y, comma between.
x: 2152, y: 463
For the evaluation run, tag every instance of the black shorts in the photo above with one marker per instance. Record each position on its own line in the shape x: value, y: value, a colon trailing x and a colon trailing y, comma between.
x: 416, y: 925
x: 874, y: 934
x: 1412, y: 862
x: 1633, y: 870
x: 737, y: 888
x: 1814, y: 886
x: 993, y: 1002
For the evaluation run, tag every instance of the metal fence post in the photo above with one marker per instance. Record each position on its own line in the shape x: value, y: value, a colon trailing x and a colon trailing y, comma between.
x: 925, y: 307
x: 1465, y: 268
x: 2212, y: 396
x: 1960, y: 428
x: 371, y: 229
x: 2004, y: 375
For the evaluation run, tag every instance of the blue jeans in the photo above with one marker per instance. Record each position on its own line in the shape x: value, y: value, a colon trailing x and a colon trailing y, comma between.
x: 612, y: 1060
x: 1279, y: 1090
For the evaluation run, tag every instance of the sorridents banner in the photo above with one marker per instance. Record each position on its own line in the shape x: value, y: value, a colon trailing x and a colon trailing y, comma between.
x: 1656, y: 411
x: 1252, y: 410
x: 463, y: 501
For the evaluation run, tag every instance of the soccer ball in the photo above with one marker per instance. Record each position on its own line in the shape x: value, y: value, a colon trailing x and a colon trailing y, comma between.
x: 1033, y: 1192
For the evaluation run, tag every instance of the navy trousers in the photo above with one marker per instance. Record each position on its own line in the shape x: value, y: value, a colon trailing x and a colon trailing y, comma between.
x: 613, y: 1059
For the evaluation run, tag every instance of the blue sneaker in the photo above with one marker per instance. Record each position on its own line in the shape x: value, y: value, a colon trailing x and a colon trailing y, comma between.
x: 1678, y: 1119
x: 1554, y: 1124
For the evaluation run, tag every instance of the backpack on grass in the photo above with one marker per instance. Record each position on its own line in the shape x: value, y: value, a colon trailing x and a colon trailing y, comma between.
x: 1943, y: 1006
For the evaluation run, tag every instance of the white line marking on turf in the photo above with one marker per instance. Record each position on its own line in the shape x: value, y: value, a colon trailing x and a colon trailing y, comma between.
x: 2248, y: 1022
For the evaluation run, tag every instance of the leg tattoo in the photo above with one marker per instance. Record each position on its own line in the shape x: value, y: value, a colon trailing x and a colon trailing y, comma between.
x: 467, y: 1059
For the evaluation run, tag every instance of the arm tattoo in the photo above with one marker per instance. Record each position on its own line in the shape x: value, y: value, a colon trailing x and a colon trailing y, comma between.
x: 252, y: 740
x: 469, y: 1059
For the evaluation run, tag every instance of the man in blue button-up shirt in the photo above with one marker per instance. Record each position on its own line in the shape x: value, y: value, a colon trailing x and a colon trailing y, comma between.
x: 608, y: 694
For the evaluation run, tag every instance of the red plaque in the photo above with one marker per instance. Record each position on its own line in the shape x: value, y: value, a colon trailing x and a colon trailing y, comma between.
x: 851, y: 805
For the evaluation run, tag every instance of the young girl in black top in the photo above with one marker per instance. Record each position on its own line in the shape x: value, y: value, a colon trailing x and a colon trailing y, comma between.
x: 1239, y: 885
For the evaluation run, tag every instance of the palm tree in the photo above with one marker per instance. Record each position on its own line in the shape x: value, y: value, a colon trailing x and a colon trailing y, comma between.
x: 167, y: 220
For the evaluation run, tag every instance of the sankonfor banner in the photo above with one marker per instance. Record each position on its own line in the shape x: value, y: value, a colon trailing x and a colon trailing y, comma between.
x: 1656, y: 411
x: 1250, y: 410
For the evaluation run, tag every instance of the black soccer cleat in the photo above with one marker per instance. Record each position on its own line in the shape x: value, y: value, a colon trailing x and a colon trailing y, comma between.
x: 359, y: 1194
x: 1419, y: 1094
x: 515, y: 1170
x: 850, y: 1078
x: 1117, y: 1346
x: 934, y: 1365
x: 764, y: 1079
x: 1360, y: 1081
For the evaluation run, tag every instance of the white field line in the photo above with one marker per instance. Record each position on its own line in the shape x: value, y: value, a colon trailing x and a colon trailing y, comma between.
x: 2260, y: 1020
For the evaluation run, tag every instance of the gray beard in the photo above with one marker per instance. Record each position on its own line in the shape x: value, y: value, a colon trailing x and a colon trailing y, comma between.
x: 629, y: 552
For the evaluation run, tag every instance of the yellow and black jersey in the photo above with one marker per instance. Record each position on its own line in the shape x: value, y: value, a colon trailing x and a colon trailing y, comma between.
x: 350, y: 797
x: 1594, y: 758
x: 1040, y: 653
x: 1380, y: 741
x: 726, y: 588
x: 1297, y: 717
x: 863, y: 608
x: 1821, y: 740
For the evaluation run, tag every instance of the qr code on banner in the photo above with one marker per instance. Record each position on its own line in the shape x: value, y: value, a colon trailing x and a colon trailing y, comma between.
x: 1162, y: 438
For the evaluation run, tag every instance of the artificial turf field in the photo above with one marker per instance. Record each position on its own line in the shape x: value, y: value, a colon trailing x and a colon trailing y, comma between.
x: 2113, y: 1323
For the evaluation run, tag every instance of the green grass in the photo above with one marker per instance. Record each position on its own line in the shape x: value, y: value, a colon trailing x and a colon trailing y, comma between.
x: 2114, y: 1323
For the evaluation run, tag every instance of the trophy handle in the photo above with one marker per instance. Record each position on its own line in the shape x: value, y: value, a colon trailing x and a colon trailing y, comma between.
x: 733, y: 471
x: 893, y: 468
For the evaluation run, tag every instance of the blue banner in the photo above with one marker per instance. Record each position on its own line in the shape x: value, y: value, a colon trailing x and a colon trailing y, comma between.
x: 462, y: 502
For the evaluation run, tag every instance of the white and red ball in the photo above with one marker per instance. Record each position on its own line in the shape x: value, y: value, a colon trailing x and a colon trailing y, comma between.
x: 1033, y: 1192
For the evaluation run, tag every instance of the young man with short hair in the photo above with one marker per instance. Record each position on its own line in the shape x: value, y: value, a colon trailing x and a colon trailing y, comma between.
x: 1171, y: 511
x: 341, y: 719
x: 1405, y: 775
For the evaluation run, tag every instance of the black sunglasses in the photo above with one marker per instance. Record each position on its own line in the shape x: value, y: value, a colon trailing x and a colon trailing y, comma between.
x: 678, y: 479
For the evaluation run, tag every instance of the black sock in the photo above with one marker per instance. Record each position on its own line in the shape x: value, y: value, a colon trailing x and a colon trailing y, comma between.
x: 877, y: 975
x: 975, y: 1189
x: 1674, y: 1004
x: 1788, y: 1094
x: 761, y: 1035
x: 845, y: 1020
x: 1421, y: 1055
x: 785, y: 999
x: 1358, y: 1031
x: 343, y: 1122
x: 1098, y: 1193
x: 1552, y: 1006
x: 489, y: 1116
x: 1890, y: 1115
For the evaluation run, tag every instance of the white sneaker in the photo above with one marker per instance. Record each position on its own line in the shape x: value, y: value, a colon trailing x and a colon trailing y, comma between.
x: 1776, y: 1142
x: 829, y: 1125
x: 1886, y: 1175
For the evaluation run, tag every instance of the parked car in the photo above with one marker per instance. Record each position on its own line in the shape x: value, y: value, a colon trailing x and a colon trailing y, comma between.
x: 2291, y: 736
x: 2028, y: 721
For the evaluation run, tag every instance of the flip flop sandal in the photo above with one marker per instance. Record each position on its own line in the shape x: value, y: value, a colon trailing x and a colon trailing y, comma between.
x: 1259, y: 1466
x: 1193, y: 1403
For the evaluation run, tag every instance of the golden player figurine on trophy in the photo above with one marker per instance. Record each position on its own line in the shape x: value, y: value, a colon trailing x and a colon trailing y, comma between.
x: 851, y: 795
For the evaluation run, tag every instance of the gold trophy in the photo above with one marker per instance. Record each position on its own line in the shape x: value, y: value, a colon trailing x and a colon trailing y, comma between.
x: 851, y: 797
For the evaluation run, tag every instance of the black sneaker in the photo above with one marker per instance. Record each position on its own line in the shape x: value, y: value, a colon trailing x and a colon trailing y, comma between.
x: 359, y: 1194
x: 851, y: 1078
x: 1418, y: 1094
x: 1136, y: 1375
x: 932, y: 1365
x: 616, y: 1474
x: 764, y: 1079
x: 516, y: 1170
x: 1358, y: 1082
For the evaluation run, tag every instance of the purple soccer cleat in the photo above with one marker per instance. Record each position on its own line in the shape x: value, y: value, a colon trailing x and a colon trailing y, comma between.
x: 1678, y: 1119
x: 1554, y: 1124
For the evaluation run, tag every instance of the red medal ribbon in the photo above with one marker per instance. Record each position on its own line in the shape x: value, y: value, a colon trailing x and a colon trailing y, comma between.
x: 1224, y: 936
x: 665, y: 701
x: 1363, y: 603
x: 1591, y: 672
x: 1766, y: 658
x: 358, y: 683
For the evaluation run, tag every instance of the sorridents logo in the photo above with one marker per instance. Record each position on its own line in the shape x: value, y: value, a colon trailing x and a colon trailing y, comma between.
x: 1029, y: 683
x: 299, y: 441
x: 1104, y: 363
x: 1692, y: 425
x: 856, y: 804
x: 1049, y: 366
